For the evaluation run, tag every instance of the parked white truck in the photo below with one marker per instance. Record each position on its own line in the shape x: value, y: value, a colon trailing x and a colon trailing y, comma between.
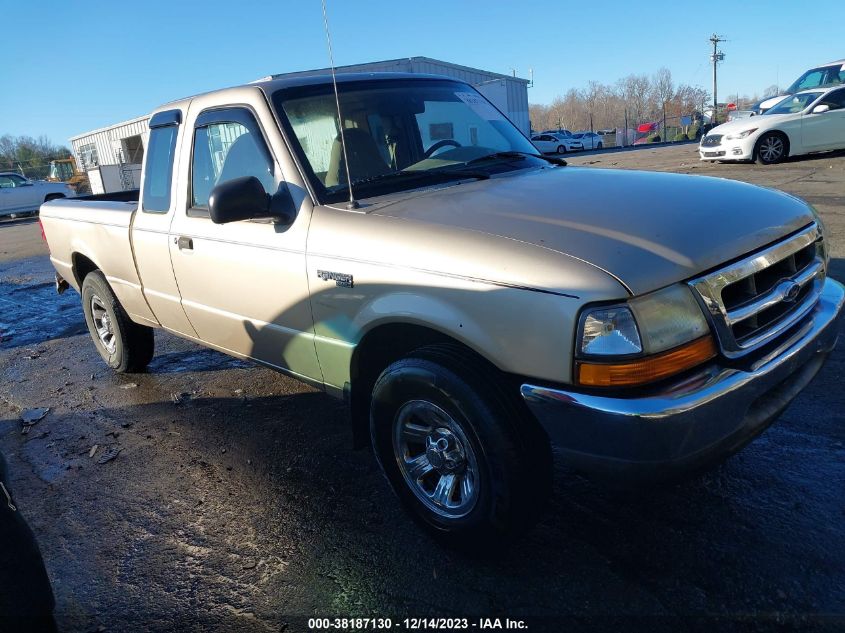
x: 475, y: 303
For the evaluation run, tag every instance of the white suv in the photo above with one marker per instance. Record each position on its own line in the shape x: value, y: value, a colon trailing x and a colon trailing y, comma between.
x: 20, y: 195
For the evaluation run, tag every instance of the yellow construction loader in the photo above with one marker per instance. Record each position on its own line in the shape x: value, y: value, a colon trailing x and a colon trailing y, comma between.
x: 64, y: 170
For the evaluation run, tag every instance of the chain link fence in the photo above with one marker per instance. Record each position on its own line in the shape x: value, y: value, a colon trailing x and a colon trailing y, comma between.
x: 34, y: 169
x: 668, y: 129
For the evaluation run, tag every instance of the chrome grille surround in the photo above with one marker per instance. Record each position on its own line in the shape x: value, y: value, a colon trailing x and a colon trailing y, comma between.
x: 734, y: 318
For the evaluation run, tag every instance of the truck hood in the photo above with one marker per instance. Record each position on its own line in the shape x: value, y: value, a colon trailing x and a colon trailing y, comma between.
x: 646, y: 229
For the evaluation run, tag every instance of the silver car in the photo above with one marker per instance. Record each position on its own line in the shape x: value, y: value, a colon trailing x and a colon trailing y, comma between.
x: 21, y: 195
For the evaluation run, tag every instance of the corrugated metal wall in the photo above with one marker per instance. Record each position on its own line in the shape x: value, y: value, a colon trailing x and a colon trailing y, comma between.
x: 107, y: 140
x: 517, y: 88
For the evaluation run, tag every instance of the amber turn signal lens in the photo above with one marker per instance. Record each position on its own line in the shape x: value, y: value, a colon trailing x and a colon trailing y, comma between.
x: 641, y: 371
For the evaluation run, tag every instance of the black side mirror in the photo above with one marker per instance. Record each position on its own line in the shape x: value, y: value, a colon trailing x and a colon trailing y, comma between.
x: 245, y: 199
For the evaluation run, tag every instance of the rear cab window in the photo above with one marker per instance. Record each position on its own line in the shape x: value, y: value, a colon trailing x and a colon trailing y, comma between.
x: 158, y: 170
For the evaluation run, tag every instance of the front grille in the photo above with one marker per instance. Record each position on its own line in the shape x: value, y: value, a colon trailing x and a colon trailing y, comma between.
x: 757, y: 298
x: 711, y: 140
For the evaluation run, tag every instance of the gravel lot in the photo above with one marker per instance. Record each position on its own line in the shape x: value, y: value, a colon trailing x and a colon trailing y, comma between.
x: 236, y: 504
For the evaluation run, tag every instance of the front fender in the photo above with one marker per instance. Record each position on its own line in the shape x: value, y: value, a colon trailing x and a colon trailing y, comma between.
x: 519, y: 331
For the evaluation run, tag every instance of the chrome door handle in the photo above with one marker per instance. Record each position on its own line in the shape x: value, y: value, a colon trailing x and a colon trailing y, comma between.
x: 185, y: 243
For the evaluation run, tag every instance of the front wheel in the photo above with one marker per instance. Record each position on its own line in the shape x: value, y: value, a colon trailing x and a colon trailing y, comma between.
x: 770, y: 149
x: 459, y: 452
x: 561, y: 149
x: 125, y: 346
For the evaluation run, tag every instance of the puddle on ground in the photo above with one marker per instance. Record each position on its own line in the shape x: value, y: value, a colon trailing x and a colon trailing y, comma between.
x: 31, y: 312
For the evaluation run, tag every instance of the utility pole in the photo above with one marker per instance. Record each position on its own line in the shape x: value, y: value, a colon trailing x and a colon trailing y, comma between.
x: 715, y: 57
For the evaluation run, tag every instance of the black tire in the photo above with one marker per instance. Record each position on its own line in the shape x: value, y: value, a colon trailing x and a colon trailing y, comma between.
x: 512, y: 478
x: 130, y: 346
x: 600, y: 145
x: 771, y: 148
x: 561, y: 149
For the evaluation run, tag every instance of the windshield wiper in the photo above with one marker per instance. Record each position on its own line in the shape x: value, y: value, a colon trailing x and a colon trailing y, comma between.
x: 514, y: 155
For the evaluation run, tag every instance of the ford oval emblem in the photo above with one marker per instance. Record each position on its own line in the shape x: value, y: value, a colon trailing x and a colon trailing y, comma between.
x: 791, y: 292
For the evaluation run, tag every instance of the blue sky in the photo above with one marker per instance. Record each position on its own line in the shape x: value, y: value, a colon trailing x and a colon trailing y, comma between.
x: 74, y: 66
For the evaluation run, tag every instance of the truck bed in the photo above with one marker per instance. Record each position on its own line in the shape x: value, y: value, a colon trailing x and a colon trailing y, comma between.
x: 131, y: 195
x: 97, y: 226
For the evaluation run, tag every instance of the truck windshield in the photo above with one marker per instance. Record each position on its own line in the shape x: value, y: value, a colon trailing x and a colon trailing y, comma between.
x: 399, y: 134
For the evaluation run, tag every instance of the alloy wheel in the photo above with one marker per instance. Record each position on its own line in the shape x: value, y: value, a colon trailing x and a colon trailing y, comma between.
x: 771, y: 149
x: 436, y: 459
x: 103, y: 324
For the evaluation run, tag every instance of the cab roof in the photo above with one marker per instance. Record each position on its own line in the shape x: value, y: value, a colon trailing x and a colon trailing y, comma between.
x: 269, y: 85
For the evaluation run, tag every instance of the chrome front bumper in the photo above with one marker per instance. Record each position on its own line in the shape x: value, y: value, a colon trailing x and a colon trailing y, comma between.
x: 697, y: 421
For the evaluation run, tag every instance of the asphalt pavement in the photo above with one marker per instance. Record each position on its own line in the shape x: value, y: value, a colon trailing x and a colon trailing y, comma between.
x: 211, y: 494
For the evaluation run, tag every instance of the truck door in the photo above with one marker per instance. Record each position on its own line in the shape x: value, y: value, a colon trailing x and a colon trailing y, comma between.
x: 243, y: 284
x: 151, y: 224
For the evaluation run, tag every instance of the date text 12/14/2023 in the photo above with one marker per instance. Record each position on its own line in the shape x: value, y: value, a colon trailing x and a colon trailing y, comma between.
x: 416, y: 624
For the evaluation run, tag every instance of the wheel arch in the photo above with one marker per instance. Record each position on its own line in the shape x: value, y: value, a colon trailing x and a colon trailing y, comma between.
x: 784, y: 135
x: 82, y: 266
x: 380, y: 346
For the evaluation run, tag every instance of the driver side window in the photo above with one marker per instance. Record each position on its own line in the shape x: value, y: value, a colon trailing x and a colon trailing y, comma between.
x: 10, y: 181
x: 835, y: 100
x: 225, y: 150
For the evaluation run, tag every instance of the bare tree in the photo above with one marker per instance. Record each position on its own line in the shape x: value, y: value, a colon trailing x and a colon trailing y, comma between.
x: 27, y: 153
x: 663, y: 86
x: 640, y: 95
x: 771, y: 91
x: 636, y: 91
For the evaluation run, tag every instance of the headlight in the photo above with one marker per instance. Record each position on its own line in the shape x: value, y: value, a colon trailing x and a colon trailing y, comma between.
x: 646, y: 339
x: 610, y: 332
x: 668, y: 318
x: 743, y: 134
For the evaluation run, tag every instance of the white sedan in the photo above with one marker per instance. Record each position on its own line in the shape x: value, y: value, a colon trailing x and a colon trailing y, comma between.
x: 589, y: 140
x: 554, y: 143
x: 20, y: 195
x: 803, y: 123
x: 549, y: 144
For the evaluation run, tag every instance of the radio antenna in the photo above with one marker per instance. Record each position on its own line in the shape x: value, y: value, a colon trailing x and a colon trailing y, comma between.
x: 353, y: 204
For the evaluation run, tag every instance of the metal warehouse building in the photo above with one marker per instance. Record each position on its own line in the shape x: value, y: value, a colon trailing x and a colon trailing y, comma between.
x: 112, y: 156
x: 509, y: 94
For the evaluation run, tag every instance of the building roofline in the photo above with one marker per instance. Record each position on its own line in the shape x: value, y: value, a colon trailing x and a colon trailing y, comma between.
x: 106, y: 128
x: 399, y: 60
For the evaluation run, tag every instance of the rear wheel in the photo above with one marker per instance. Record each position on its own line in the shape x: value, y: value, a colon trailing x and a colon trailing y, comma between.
x: 771, y: 148
x: 125, y: 346
x: 458, y: 450
x: 600, y: 145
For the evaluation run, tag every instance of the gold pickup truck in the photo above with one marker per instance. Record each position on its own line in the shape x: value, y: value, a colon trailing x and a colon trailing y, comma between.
x: 474, y: 302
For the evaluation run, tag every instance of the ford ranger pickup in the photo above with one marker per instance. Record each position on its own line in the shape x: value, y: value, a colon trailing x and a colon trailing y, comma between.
x: 400, y: 244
